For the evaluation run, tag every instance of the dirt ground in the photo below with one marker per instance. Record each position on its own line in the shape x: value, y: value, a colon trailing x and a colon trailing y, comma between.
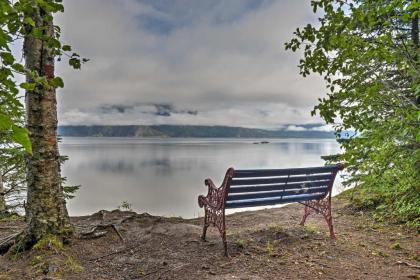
x: 264, y: 244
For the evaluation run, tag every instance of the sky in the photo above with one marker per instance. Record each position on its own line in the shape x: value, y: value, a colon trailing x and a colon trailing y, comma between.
x: 187, y: 62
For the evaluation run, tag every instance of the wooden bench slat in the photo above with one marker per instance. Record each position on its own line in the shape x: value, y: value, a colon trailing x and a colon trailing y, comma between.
x: 278, y: 187
x: 277, y: 193
x: 272, y: 201
x: 244, y: 173
x: 241, y: 182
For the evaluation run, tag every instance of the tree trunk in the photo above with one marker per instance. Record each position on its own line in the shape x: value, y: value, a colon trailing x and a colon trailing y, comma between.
x: 2, y: 200
x: 415, y: 39
x: 46, y: 207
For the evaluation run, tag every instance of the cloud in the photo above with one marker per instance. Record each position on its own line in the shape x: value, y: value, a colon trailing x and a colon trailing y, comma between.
x: 310, y: 127
x: 296, y: 128
x: 224, y: 59
x: 165, y: 110
x: 327, y: 128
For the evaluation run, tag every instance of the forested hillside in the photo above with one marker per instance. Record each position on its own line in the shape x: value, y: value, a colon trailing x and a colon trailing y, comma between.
x: 306, y: 131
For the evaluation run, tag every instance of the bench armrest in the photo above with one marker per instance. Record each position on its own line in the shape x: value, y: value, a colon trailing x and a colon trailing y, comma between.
x: 216, y: 197
x: 212, y: 189
x: 212, y: 199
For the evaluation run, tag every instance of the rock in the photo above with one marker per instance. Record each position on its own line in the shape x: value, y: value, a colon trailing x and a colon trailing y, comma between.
x: 52, y: 268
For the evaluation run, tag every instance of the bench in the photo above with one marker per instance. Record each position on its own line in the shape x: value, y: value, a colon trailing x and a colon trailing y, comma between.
x: 311, y: 186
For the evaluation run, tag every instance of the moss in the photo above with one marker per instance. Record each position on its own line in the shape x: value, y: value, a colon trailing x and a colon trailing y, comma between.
x: 67, y: 230
x: 396, y: 246
x: 55, y: 264
x: 48, y: 242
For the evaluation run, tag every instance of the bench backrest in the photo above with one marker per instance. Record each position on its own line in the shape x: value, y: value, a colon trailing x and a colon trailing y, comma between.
x: 261, y: 187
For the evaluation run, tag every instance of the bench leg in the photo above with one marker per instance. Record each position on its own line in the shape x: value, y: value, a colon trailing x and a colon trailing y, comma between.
x: 221, y: 225
x: 223, y: 235
x: 330, y: 226
x: 322, y: 207
x: 216, y: 218
x: 328, y: 218
x: 306, y: 213
x: 203, y: 236
x: 205, y: 226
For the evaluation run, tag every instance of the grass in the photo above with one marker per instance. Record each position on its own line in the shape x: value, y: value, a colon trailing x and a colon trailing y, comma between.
x: 240, y: 243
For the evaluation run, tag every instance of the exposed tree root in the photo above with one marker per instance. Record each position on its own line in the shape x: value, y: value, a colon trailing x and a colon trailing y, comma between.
x: 16, y: 242
x: 99, y: 231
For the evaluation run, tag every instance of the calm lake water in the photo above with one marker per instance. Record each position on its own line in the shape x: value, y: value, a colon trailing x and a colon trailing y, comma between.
x: 165, y: 176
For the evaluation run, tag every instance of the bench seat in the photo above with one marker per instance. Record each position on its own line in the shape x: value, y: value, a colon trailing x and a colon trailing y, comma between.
x: 267, y: 201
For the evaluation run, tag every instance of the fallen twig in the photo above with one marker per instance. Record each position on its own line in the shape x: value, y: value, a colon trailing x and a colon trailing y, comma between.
x: 10, y: 237
x: 112, y: 253
x: 11, y: 227
x: 408, y: 264
x: 8, y: 242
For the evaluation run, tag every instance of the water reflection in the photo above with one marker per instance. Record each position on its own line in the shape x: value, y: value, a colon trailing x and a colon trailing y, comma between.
x: 165, y: 176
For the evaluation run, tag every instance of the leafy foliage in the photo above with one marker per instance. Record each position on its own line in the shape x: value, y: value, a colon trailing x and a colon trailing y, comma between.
x: 368, y: 54
x: 16, y: 22
x: 12, y: 171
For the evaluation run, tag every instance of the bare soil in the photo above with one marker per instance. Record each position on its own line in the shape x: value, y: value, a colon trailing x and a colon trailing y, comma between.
x: 264, y: 244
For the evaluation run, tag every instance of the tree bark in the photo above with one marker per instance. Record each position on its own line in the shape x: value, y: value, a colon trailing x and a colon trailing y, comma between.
x: 2, y: 199
x: 46, y: 207
x: 415, y: 31
x: 415, y: 39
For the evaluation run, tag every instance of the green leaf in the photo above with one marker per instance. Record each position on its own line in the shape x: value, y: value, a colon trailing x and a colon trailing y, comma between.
x: 405, y: 17
x: 66, y: 48
x: 75, y: 63
x: 57, y: 82
x: 18, y: 67
x: 28, y: 86
x: 21, y: 136
x: 7, y: 58
x: 29, y: 21
x: 5, y: 122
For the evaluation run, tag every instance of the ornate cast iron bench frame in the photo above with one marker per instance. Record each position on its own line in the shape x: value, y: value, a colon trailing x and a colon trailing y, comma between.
x: 253, y: 186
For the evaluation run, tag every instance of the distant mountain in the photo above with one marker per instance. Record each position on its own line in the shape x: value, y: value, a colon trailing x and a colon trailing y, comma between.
x: 193, y: 131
